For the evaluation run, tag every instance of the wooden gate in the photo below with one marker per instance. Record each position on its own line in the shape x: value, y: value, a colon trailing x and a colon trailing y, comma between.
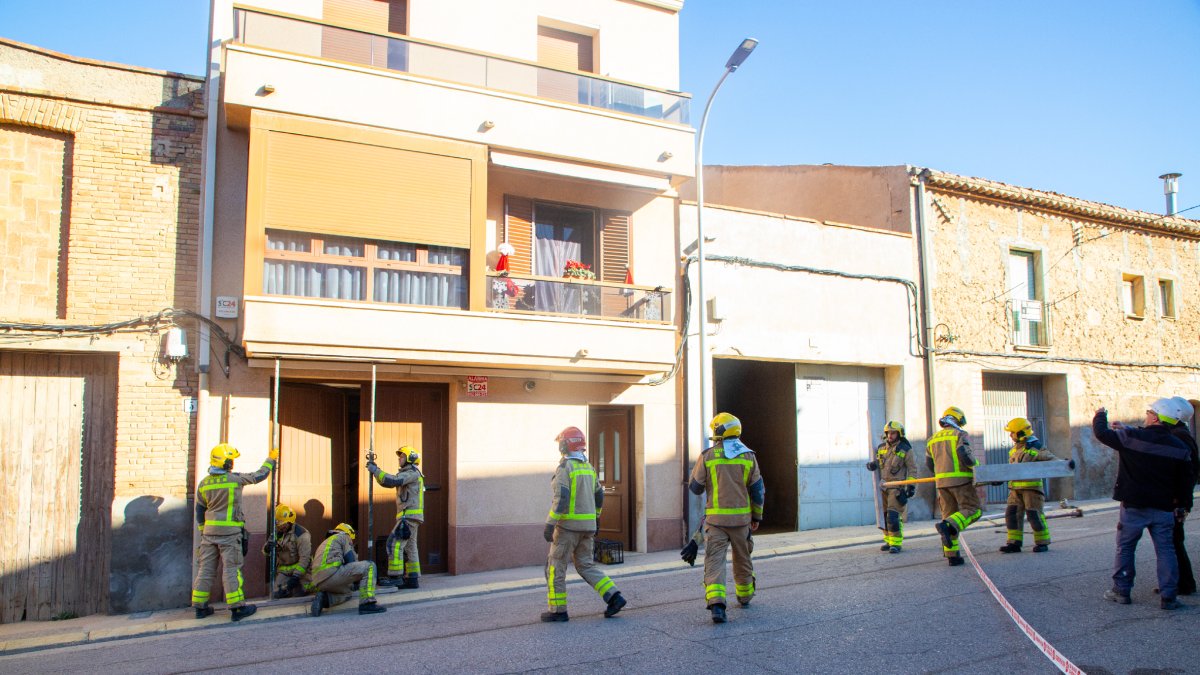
x: 312, y: 471
x: 57, y: 442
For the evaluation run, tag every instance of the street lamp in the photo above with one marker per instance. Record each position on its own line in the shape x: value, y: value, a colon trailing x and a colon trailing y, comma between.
x: 735, y: 60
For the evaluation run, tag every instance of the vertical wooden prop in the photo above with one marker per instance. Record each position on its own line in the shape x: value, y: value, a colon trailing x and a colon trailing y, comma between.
x: 876, y: 478
x: 370, y: 478
x: 271, y: 533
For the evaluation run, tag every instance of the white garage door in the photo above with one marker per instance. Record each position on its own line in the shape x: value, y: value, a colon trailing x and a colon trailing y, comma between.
x: 833, y: 404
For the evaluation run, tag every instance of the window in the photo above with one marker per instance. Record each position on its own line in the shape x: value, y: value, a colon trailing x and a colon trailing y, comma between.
x: 1026, y: 309
x: 1133, y: 295
x: 1166, y: 298
x: 377, y: 16
x: 564, y: 50
x: 344, y: 268
x: 547, y: 235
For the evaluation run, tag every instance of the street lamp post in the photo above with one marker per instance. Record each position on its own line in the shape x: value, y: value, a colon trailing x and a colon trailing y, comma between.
x: 735, y: 60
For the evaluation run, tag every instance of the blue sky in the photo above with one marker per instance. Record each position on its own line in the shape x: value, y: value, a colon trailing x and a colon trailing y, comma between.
x: 1092, y: 98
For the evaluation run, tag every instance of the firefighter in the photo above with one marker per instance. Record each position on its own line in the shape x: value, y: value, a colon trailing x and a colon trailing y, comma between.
x: 728, y: 472
x: 335, y: 570
x: 894, y: 461
x: 1025, y: 496
x: 293, y: 554
x: 575, y: 503
x: 404, y: 563
x: 948, y: 456
x: 223, y: 529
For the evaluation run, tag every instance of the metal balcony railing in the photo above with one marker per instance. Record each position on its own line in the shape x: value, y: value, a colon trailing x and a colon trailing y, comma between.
x: 1029, y: 323
x: 573, y: 297
x: 309, y: 37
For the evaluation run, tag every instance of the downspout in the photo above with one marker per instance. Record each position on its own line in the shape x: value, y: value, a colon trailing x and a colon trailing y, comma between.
x: 926, y: 305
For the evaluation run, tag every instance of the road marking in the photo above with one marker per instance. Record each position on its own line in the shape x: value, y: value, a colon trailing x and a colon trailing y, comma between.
x: 1056, y: 657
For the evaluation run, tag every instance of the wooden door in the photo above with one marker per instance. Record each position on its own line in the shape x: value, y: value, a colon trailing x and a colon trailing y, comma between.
x: 416, y: 415
x: 610, y: 450
x: 313, y: 454
x: 57, y: 443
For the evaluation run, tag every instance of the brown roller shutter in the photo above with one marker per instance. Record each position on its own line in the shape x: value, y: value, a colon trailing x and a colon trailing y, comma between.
x: 377, y: 16
x: 614, y: 246
x: 339, y: 187
x: 518, y: 231
x: 564, y: 50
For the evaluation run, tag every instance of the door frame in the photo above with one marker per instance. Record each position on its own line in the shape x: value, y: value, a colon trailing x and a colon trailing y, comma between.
x: 628, y: 457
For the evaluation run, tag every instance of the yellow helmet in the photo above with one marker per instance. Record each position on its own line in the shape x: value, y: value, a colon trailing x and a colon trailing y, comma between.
x: 344, y: 528
x: 956, y: 414
x: 1019, y: 426
x: 724, y: 426
x: 222, y: 456
x: 285, y: 515
x: 893, y: 425
x: 409, y: 455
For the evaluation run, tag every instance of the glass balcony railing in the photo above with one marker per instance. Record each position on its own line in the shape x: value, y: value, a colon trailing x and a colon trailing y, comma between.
x: 570, y: 297
x: 312, y: 38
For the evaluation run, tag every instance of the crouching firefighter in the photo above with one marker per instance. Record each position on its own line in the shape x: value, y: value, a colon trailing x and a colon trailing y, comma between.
x: 575, y: 503
x: 335, y: 570
x: 222, y: 526
x: 894, y: 461
x: 729, y: 473
x: 293, y: 555
x: 404, y: 562
x: 948, y: 456
x: 1025, y: 497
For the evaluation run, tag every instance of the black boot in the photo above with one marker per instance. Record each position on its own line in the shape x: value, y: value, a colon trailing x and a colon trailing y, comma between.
x: 397, y: 582
x: 1011, y: 547
x: 203, y: 611
x: 412, y: 582
x: 947, y: 531
x: 371, y: 607
x: 239, y: 613
x: 955, y: 561
x: 718, y: 613
x: 615, y: 603
x: 554, y: 617
x: 1041, y: 548
x: 320, y: 602
x: 885, y: 548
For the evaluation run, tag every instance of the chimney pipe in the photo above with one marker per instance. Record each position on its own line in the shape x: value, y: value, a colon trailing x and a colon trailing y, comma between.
x: 1170, y: 188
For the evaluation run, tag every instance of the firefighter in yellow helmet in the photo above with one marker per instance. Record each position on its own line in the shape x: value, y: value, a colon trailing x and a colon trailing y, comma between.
x: 335, y: 570
x: 223, y: 529
x: 575, y: 503
x: 293, y: 555
x: 894, y: 461
x: 1025, y: 497
x: 729, y: 473
x: 404, y: 562
x: 948, y: 456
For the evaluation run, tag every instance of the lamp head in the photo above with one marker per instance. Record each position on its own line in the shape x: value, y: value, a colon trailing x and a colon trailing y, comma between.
x: 740, y: 54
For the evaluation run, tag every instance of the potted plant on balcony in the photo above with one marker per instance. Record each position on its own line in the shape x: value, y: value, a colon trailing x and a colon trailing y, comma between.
x: 576, y: 269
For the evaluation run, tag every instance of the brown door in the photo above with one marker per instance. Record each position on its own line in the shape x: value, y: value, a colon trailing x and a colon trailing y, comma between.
x: 312, y: 462
x: 609, y: 443
x: 57, y: 442
x: 416, y: 415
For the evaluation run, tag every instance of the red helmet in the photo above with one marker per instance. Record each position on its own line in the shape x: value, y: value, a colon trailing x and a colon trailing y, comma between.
x: 571, y: 439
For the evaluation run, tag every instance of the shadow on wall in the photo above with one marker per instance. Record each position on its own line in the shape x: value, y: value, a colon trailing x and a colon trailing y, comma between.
x: 151, y: 564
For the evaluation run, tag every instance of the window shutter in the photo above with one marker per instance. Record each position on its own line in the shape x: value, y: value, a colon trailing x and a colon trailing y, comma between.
x: 564, y: 50
x: 379, y: 16
x: 614, y: 246
x: 518, y: 231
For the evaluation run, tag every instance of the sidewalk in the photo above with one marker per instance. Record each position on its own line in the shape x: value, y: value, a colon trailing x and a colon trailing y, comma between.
x: 29, y: 636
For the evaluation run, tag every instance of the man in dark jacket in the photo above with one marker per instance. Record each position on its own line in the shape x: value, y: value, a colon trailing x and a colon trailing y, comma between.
x: 1184, y: 411
x: 1154, y: 486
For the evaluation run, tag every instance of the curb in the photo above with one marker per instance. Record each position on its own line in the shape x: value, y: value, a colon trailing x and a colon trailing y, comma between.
x: 267, y: 613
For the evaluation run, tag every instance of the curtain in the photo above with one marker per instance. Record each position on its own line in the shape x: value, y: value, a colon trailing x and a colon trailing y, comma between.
x: 553, y: 247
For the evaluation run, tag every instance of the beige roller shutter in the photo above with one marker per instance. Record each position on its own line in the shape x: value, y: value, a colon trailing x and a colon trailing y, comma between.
x: 614, y: 246
x: 340, y: 187
x: 380, y: 16
x: 564, y: 50
x: 518, y: 231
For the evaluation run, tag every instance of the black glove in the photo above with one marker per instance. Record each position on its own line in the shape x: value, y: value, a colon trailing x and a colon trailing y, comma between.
x: 372, y: 467
x: 910, y: 491
x: 872, y: 465
x: 688, y: 554
x: 405, y: 530
x: 548, y: 533
x: 1071, y: 464
x: 902, y: 496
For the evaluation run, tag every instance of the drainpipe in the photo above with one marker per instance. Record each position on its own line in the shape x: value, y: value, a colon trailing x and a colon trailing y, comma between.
x: 926, y: 304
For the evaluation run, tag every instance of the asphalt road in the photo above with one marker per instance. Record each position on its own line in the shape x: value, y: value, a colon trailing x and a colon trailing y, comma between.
x: 852, y: 610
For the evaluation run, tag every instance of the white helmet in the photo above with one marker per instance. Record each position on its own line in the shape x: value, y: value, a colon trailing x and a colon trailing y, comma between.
x: 1166, y: 409
x: 1184, y: 408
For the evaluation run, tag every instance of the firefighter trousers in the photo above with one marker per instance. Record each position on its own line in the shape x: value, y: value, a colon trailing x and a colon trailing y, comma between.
x: 1029, y: 504
x: 403, y: 559
x: 960, y: 507
x: 340, y: 584
x: 568, y: 546
x: 894, y: 515
x: 718, y: 540
x: 227, y: 548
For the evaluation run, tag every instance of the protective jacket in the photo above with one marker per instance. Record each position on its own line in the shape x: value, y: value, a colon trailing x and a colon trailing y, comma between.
x: 576, y: 496
x: 293, y: 552
x: 896, y: 462
x: 410, y: 491
x: 1180, y: 430
x: 948, y: 456
x: 1029, y: 450
x: 334, y: 552
x: 219, y: 499
x: 735, y: 488
x: 1154, y: 470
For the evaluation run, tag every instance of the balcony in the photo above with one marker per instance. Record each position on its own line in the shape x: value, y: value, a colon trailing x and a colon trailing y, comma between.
x: 518, y: 293
x: 312, y: 38
x: 1029, y: 323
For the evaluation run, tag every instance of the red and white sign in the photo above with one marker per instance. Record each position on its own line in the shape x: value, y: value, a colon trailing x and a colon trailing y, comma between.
x: 227, y: 307
x: 477, y: 385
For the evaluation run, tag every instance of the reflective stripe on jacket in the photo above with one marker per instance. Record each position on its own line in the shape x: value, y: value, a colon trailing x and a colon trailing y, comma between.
x: 576, y: 496
x: 293, y: 551
x: 896, y: 462
x: 219, y: 499
x: 733, y: 485
x: 949, y: 454
x: 1030, y: 450
x: 330, y: 555
x: 410, y: 491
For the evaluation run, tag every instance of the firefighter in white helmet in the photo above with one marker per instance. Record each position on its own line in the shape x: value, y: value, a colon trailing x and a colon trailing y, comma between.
x: 222, y: 526
x: 404, y: 562
x: 948, y: 456
x: 728, y: 472
x: 293, y: 555
x: 575, y: 503
x: 894, y: 461
x: 335, y: 570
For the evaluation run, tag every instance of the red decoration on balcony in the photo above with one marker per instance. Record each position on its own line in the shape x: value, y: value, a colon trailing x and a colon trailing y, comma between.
x: 628, y: 276
x: 577, y: 270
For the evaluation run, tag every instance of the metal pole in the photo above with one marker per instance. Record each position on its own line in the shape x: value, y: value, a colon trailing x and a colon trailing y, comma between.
x: 370, y: 478
x: 271, y: 567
